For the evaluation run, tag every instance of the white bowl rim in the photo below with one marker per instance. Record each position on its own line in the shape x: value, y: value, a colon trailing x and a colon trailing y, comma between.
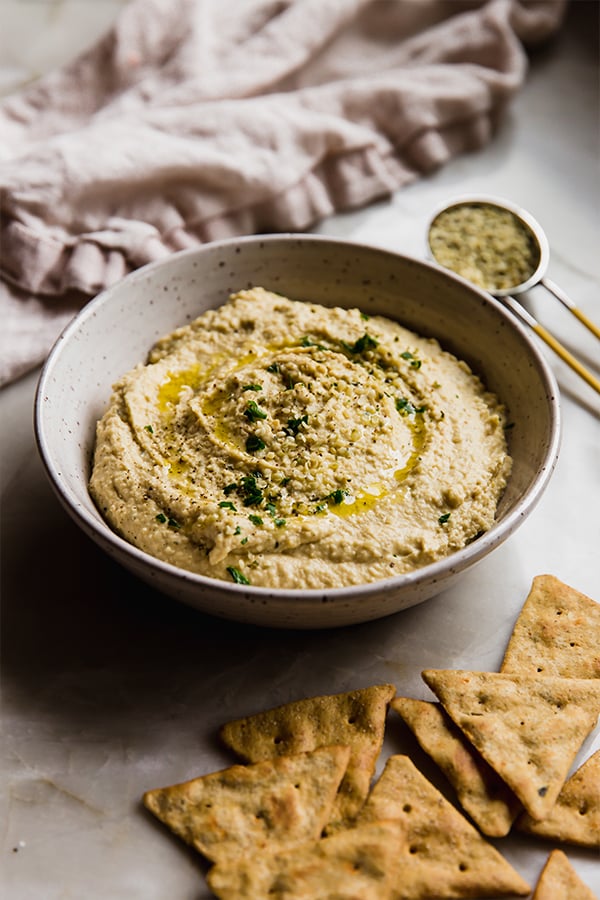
x: 99, y: 530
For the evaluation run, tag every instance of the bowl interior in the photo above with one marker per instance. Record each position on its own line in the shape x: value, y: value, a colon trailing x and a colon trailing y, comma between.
x: 115, y: 331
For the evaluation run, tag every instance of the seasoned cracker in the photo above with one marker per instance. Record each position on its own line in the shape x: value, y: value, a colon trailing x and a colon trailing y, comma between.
x: 557, y: 633
x: 479, y: 790
x: 446, y: 857
x: 560, y: 881
x: 356, y: 719
x: 529, y: 728
x: 244, y: 809
x: 575, y: 817
x: 353, y: 864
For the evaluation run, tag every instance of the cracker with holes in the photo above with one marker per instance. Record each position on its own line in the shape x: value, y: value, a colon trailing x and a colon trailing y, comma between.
x: 356, y: 719
x: 444, y: 855
x: 242, y: 809
x: 560, y: 881
x: 575, y: 817
x: 351, y: 864
x: 527, y: 727
x: 557, y: 633
x: 479, y: 789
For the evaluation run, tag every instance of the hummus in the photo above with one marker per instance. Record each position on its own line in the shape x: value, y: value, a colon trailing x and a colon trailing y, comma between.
x: 283, y: 444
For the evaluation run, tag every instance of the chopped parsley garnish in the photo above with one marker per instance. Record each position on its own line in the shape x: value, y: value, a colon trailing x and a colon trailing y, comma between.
x: 252, y: 387
x: 412, y: 359
x: 366, y: 342
x: 254, y: 412
x: 308, y: 342
x: 254, y: 443
x: 149, y: 429
x: 250, y: 491
x: 336, y: 497
x: 279, y: 523
x: 244, y: 540
x: 285, y: 481
x: 172, y: 523
x: 238, y: 530
x: 271, y: 508
x: 237, y: 576
x: 273, y: 368
x: 247, y: 489
x: 227, y: 504
x: 443, y: 519
x: 293, y: 425
x: 364, y: 316
x: 406, y: 408
x: 256, y: 520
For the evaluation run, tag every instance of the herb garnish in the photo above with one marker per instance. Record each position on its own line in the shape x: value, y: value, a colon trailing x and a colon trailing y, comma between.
x: 252, y: 387
x: 256, y: 520
x: 247, y: 489
x: 254, y: 443
x: 406, y: 408
x: 273, y: 368
x: 237, y: 576
x: 414, y: 362
x: 254, y: 412
x: 366, y: 342
x: 293, y: 425
x: 308, y: 342
x: 227, y: 504
x: 149, y: 429
x: 280, y: 523
x: 336, y: 497
x: 172, y: 523
x: 443, y: 519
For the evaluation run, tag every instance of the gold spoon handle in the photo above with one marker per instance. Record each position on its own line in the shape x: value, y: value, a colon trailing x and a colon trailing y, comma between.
x: 566, y: 301
x: 552, y: 342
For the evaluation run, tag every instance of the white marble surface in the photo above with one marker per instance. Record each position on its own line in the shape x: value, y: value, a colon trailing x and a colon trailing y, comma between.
x: 109, y: 689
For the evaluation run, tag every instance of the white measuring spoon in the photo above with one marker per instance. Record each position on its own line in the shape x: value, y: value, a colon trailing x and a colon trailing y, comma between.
x: 532, y: 269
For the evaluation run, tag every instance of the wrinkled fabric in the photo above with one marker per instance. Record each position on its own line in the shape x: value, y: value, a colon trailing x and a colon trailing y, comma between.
x: 194, y: 120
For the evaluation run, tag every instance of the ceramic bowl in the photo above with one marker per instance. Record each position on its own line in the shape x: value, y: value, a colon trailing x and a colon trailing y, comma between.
x: 116, y: 330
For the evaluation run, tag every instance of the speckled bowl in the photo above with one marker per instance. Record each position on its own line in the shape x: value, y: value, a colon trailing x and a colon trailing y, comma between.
x: 115, y: 331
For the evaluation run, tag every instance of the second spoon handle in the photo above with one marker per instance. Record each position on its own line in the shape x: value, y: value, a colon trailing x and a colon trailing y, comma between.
x: 552, y: 342
x: 566, y: 301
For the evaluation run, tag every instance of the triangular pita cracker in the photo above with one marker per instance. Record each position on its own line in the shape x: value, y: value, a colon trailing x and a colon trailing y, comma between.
x: 575, y: 817
x: 557, y: 633
x: 479, y: 790
x: 356, y: 718
x: 445, y: 855
x: 353, y: 864
x: 528, y: 728
x: 243, y: 809
x: 560, y: 881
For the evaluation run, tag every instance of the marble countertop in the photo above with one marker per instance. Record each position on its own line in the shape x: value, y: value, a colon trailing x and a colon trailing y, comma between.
x: 109, y: 689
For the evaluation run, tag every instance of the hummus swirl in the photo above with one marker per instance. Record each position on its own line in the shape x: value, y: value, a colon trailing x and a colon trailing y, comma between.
x: 283, y: 444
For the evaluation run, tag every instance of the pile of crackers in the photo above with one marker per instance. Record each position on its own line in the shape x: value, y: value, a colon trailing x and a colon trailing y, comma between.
x: 301, y: 819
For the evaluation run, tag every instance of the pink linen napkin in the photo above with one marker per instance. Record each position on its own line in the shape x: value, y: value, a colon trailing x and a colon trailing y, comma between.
x: 193, y: 120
